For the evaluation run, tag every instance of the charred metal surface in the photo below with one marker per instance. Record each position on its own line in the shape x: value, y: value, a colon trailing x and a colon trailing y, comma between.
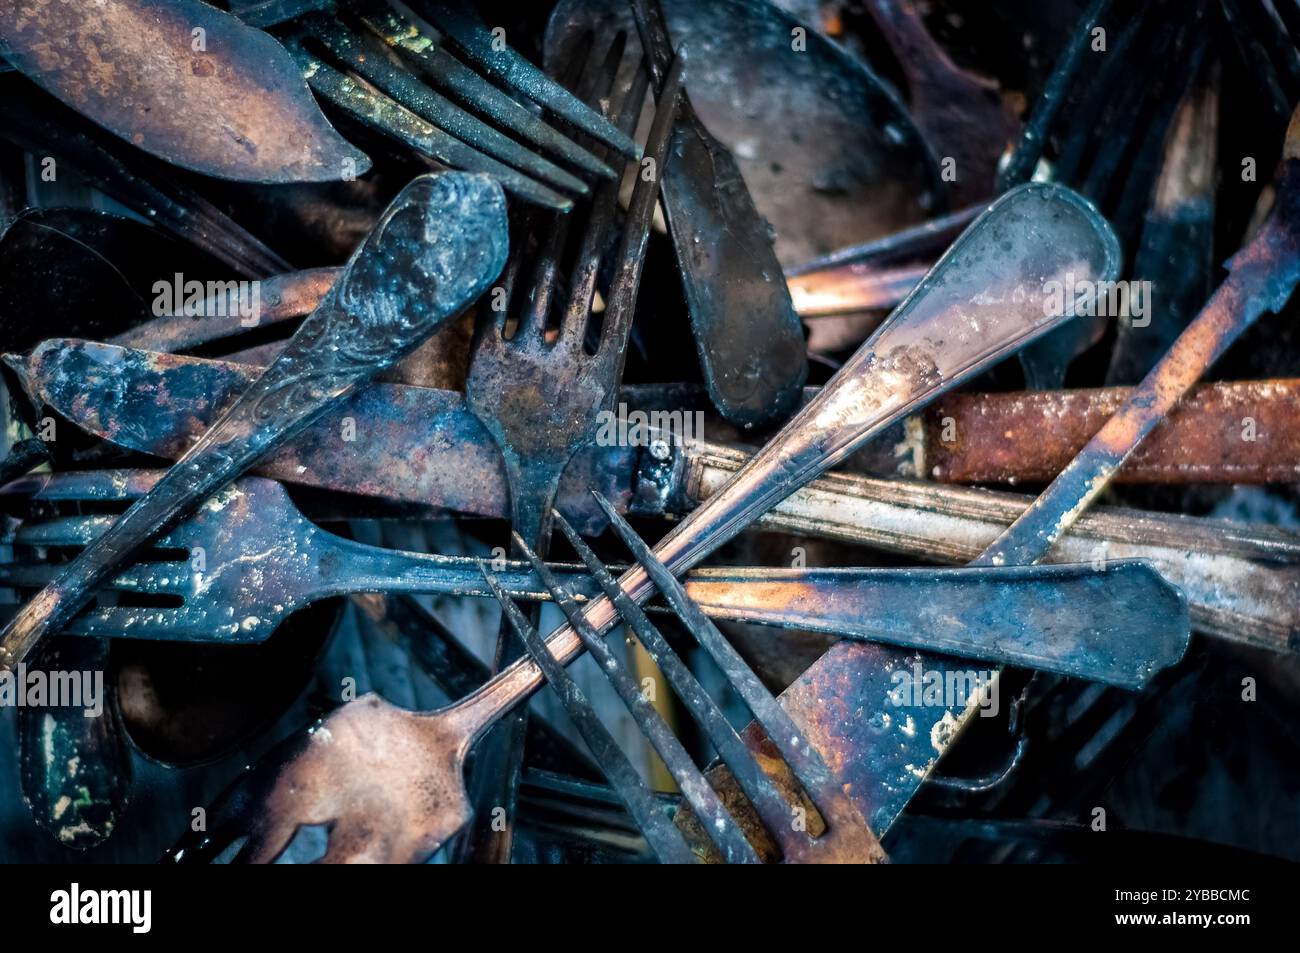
x: 837, y: 161
x: 441, y: 243
x: 847, y: 838
x: 263, y: 561
x: 1261, y: 277
x: 540, y: 399
x: 449, y: 74
x: 282, y: 298
x: 746, y: 333
x: 236, y: 108
x: 25, y: 456
x: 1240, y: 580
x: 363, y: 54
x: 871, y: 171
x: 664, y: 838
x: 1176, y: 253
x: 472, y: 38
x: 962, y: 114
x: 76, y: 766
x: 396, y: 121
x: 1029, y: 437
x: 417, y: 445
x: 945, y: 524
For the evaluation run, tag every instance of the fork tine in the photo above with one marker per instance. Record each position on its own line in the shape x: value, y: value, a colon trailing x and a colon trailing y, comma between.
x: 636, y: 234
x: 721, y: 827
x: 366, y: 56
x: 405, y: 32
x: 392, y: 119
x: 660, y: 833
x: 591, y: 79
x: 153, y: 578
x: 802, y: 758
x: 772, y: 808
x: 604, y: 205
x: 63, y: 530
x: 82, y: 530
x: 476, y: 43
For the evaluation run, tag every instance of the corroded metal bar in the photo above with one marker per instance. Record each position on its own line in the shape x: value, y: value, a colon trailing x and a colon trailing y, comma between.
x: 1239, y: 432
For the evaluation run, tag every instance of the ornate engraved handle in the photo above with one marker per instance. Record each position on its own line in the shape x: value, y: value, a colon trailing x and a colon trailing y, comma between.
x: 435, y: 250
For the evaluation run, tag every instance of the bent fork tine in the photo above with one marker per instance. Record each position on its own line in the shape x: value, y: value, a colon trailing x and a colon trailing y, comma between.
x: 720, y: 826
x: 630, y: 257
x: 591, y: 79
x: 668, y: 843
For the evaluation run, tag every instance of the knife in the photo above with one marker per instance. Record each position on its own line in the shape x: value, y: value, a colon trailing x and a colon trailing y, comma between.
x: 421, y: 445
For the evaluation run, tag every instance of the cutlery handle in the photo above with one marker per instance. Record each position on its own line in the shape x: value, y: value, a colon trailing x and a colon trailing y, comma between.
x: 1242, y: 583
x: 1116, y: 625
x: 401, y: 283
x: 987, y: 296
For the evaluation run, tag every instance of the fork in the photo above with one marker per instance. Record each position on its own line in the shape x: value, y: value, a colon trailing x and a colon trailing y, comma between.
x: 335, y: 775
x: 344, y: 783
x: 840, y: 832
x: 262, y: 560
x: 539, y: 398
x: 414, y: 90
x: 436, y: 248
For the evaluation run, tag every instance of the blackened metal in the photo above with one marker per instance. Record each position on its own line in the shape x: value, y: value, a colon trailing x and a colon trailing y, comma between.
x: 395, y: 120
x: 1033, y: 138
x: 1261, y: 277
x: 540, y: 399
x: 472, y: 38
x: 848, y: 837
x: 721, y: 829
x: 75, y: 762
x: 444, y: 236
x: 459, y: 81
x: 748, y: 336
x: 1240, y: 579
x: 665, y: 839
x: 961, y: 113
x: 773, y: 810
x: 1116, y: 623
x: 364, y: 55
x: 25, y: 456
x: 1176, y: 250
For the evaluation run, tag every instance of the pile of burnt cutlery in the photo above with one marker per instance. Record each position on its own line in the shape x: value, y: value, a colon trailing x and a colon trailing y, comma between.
x: 636, y: 430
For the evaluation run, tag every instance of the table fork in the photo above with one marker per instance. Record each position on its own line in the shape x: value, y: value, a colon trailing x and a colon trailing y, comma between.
x: 434, y: 250
x: 540, y: 398
x: 981, y: 301
x: 249, y: 559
